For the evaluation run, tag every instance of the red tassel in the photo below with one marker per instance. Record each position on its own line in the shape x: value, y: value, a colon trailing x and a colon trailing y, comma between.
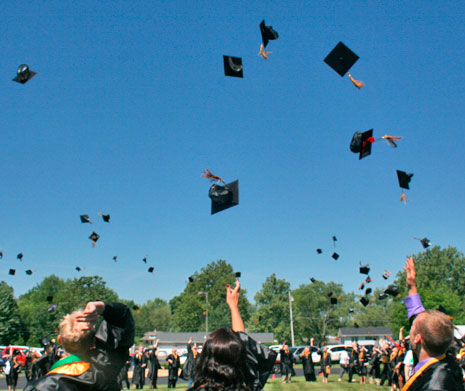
x: 357, y: 83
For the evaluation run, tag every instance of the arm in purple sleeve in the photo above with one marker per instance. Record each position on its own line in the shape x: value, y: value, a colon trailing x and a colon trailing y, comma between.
x: 413, y: 304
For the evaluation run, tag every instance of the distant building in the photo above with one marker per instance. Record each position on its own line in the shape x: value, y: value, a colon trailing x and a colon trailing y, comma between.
x: 347, y: 335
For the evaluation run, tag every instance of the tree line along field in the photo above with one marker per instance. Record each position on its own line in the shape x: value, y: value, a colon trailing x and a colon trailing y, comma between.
x: 440, y: 273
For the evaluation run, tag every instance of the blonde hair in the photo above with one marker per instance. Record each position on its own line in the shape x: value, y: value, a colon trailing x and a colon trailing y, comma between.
x: 437, y: 331
x: 75, y: 341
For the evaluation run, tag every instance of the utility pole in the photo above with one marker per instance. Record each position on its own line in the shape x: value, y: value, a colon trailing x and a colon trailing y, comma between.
x: 206, y: 312
x: 291, y: 299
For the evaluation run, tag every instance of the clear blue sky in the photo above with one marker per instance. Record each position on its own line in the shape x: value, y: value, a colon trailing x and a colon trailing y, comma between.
x: 130, y: 104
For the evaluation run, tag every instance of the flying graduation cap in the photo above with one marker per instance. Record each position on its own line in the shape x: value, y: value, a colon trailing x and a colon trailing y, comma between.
x: 115, y: 258
x: 425, y: 242
x: 78, y: 268
x: 238, y: 274
x: 319, y: 250
x: 12, y: 272
x: 151, y: 269
x: 94, y: 237
x: 335, y: 256
x: 313, y: 280
x: 361, y: 142
x: 191, y: 279
x: 24, y: 74
x: 334, y: 241
x: 268, y: 33
x: 365, y: 301
x: 20, y: 256
x: 386, y: 274
x: 222, y: 197
x: 85, y: 219
x: 29, y: 272
x: 144, y: 259
x: 365, y: 269
x: 105, y: 218
x: 392, y: 290
x: 404, y: 180
x: 233, y: 66
x: 367, y: 291
x: 341, y: 59
x: 1, y: 254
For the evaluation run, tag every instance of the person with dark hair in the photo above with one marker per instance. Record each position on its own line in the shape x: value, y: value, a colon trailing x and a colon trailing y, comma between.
x: 230, y: 359
x: 431, y: 334
x: 325, y: 363
x: 188, y: 370
x: 93, y: 359
x: 14, y: 367
x: 154, y: 365
x: 375, y: 361
x: 287, y: 363
x: 123, y: 376
x: 385, y: 359
x: 307, y: 363
x: 354, y: 364
x: 173, y: 367
x: 139, y: 361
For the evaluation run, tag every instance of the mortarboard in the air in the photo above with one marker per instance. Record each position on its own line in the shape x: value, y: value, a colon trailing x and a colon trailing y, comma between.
x: 319, y: 250
x: 238, y: 274
x: 334, y: 241
x: 386, y: 274
x: 365, y: 269
x: 404, y: 180
x: 335, y: 256
x: 341, y: 59
x: 329, y: 294
x: 1, y: 254
x: 191, y: 279
x: 392, y: 290
x: 105, y: 218
x: 313, y: 280
x: 20, y: 256
x: 12, y: 272
x: 135, y: 307
x: 85, y: 219
x: 367, y: 291
x: 425, y: 242
x: 233, y: 66
x: 115, y: 258
x: 29, y: 272
x: 24, y: 74
x: 365, y: 301
x: 361, y: 143
x: 368, y: 279
x: 362, y: 285
x: 77, y: 268
x: 382, y: 296
x: 151, y: 269
x: 144, y: 259
x: 49, y: 299
x: 268, y: 33
x: 224, y: 197
x: 333, y: 300
x: 94, y: 237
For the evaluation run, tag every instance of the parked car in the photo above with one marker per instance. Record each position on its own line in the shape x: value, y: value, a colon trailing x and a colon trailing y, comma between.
x: 299, y: 350
x: 335, y: 351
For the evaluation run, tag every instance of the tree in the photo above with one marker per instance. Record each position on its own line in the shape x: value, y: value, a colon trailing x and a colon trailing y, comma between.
x: 11, y: 328
x: 153, y: 315
x: 272, y: 309
x: 188, y: 308
x: 440, y: 276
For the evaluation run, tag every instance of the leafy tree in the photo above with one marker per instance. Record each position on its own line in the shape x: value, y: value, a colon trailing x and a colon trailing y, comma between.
x: 272, y: 309
x: 188, y: 308
x: 11, y: 327
x: 153, y: 315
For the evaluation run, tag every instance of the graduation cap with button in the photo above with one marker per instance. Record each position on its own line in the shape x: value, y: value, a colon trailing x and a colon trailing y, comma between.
x: 335, y: 256
x: 404, y: 180
x: 151, y: 269
x: 94, y: 237
x: 85, y: 219
x: 222, y: 197
x: 191, y: 279
x: 29, y: 272
x: 319, y: 250
x: 367, y: 291
x: 238, y: 274
x: 341, y: 59
x: 24, y: 74
x: 12, y: 272
x: 105, y: 218
x: 365, y: 301
x: 78, y: 268
x: 20, y: 256
x: 233, y: 66
x: 361, y: 143
x: 268, y: 33
x: 365, y: 269
x: 425, y: 242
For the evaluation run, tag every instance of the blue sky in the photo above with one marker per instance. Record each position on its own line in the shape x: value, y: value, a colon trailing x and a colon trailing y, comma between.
x: 130, y: 105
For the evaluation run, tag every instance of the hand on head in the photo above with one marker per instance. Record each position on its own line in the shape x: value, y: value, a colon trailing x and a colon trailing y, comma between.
x: 89, y: 316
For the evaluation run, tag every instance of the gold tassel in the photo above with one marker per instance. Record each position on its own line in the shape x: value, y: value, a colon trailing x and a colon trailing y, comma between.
x: 391, y: 139
x: 207, y: 174
x: 403, y: 198
x: 263, y: 53
x: 357, y: 83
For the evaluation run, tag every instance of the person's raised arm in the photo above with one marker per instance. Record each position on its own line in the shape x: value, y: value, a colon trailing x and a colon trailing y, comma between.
x: 401, y: 333
x: 232, y: 298
x: 412, y: 301
x: 90, y: 314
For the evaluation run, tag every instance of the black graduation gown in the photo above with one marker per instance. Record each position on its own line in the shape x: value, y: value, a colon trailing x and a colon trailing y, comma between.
x: 188, y: 370
x: 138, y: 372
x: 287, y: 363
x: 112, y: 342
x: 308, y: 367
x: 173, y: 367
x: 154, y: 365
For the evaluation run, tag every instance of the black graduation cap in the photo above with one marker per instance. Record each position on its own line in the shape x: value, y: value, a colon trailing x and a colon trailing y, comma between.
x: 319, y: 250
x: 367, y: 291
x: 233, y: 66
x: 144, y: 259
x: 386, y: 274
x: 365, y: 269
x: 151, y: 269
x: 1, y: 254
x: 392, y: 290
x: 238, y: 274
x: 136, y: 308
x: 361, y: 143
x: 85, y: 219
x: 333, y: 300
x: 77, y: 268
x: 94, y: 237
x: 341, y: 59
x: 351, y: 310
x: 312, y: 280
x: 382, y: 296
x: 441, y: 309
x: 105, y: 218
x: 24, y: 74
x: 224, y: 197
x: 329, y: 294
x: 12, y: 272
x: 191, y: 279
x: 365, y: 301
x: 29, y: 272
x: 334, y: 241
x: 335, y: 256
x: 115, y: 258
x: 404, y: 179
x: 425, y: 242
x: 20, y: 256
x: 368, y: 280
x: 49, y: 299
x: 268, y: 34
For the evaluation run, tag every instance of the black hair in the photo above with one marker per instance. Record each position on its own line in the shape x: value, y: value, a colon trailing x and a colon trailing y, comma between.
x: 222, y: 364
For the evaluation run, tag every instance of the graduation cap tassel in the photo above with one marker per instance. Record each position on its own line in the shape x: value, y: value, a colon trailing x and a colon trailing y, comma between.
x: 403, y: 198
x: 263, y: 53
x: 391, y: 140
x: 207, y: 174
x: 357, y: 83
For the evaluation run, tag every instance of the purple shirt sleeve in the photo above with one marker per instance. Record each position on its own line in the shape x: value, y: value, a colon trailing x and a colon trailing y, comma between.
x: 413, y: 304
